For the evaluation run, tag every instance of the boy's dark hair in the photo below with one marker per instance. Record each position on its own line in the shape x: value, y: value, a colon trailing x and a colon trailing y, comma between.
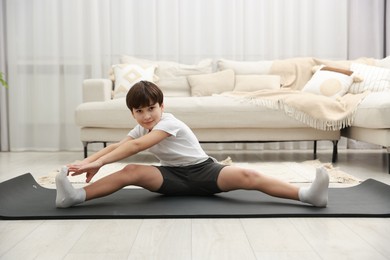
x: 143, y: 94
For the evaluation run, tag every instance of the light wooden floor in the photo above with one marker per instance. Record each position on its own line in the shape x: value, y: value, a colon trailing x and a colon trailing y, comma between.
x: 273, y: 238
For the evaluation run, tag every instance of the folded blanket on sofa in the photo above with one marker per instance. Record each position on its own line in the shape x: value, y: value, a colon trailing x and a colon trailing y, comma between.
x: 317, y: 111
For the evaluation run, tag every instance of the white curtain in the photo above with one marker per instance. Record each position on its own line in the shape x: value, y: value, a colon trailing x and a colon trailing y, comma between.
x: 52, y: 45
x: 186, y: 31
x: 367, y: 29
x: 4, y: 136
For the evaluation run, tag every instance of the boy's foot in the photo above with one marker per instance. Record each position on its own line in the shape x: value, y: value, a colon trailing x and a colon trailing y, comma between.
x: 67, y: 195
x: 317, y: 193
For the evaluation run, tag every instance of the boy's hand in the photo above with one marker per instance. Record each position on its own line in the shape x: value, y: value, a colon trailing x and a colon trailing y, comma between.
x: 91, y: 169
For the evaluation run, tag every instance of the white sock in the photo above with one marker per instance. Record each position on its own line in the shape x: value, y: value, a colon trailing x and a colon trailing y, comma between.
x: 67, y: 195
x: 317, y: 193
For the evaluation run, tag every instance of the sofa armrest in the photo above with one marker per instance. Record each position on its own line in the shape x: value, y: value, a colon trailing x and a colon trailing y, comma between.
x: 97, y: 90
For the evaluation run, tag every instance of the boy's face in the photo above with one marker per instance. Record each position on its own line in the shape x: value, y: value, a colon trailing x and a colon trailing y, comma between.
x: 149, y: 116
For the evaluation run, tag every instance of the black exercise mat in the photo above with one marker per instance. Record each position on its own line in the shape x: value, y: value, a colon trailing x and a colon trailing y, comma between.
x: 23, y: 198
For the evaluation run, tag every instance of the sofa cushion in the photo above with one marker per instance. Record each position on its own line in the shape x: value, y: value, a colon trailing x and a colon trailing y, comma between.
x: 374, y: 111
x: 375, y: 79
x: 212, y: 83
x: 227, y: 112
x: 126, y: 75
x: 248, y: 83
x: 109, y: 114
x: 197, y: 112
x: 172, y: 76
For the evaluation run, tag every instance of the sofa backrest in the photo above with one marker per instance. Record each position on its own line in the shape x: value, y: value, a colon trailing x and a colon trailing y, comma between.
x: 171, y: 76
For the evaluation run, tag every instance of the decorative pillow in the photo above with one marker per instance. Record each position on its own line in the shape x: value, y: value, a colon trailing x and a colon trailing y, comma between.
x: 126, y: 75
x: 245, y: 67
x: 375, y: 79
x: 171, y: 76
x: 256, y: 82
x: 330, y: 82
x: 384, y: 63
x: 213, y: 83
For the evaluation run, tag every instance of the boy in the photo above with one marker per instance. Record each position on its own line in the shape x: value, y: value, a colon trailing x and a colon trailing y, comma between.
x: 185, y: 168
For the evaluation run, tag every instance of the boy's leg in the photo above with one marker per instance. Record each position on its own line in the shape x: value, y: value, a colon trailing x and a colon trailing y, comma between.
x: 233, y: 178
x: 145, y: 176
x: 148, y: 177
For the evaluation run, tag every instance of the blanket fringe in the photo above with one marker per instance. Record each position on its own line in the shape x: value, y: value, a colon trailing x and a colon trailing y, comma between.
x: 325, y: 125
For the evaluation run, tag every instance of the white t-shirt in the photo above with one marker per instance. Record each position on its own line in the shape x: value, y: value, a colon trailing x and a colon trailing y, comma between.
x: 181, y: 148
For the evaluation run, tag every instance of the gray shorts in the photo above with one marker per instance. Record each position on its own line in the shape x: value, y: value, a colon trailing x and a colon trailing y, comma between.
x: 198, y: 179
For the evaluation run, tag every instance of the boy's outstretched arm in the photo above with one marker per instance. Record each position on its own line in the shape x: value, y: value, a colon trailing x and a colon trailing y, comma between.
x: 74, y: 167
x: 104, y: 151
x: 126, y: 148
x: 134, y: 146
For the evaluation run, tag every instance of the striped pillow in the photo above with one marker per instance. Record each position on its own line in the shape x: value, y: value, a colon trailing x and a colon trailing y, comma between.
x: 375, y: 79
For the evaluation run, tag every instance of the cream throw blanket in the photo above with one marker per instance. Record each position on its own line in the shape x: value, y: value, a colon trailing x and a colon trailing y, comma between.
x: 317, y: 111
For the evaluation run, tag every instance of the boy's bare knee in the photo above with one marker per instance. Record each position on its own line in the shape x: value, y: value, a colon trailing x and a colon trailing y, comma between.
x: 249, y: 178
x: 239, y: 178
x: 130, y: 171
x: 130, y: 168
x: 142, y: 176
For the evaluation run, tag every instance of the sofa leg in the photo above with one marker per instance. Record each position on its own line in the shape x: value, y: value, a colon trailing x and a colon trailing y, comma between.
x: 85, y: 144
x: 315, y: 150
x: 388, y: 158
x: 334, y: 154
x: 388, y: 161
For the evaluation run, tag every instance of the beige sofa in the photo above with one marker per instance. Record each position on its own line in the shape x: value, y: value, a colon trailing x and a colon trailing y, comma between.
x: 372, y: 122
x: 193, y: 94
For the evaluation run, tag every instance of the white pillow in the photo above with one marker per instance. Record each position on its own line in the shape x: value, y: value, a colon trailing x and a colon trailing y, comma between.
x: 330, y: 82
x: 384, y: 63
x: 171, y: 76
x: 212, y: 83
x: 375, y: 79
x: 248, y: 83
x: 126, y: 75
